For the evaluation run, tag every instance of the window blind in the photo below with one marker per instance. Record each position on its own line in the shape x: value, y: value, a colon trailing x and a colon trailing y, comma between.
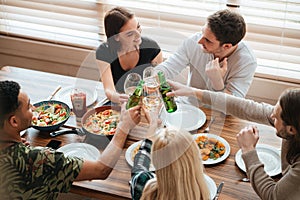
x: 273, y: 28
x: 74, y: 23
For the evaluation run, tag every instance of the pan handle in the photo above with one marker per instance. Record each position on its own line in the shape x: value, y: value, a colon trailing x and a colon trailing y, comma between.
x: 62, y: 132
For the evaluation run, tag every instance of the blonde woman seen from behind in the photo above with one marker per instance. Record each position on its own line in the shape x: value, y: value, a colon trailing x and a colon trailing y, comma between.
x: 179, y: 169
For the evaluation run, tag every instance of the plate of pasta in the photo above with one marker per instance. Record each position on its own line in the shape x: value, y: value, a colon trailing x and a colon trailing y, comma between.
x: 102, y: 120
x: 214, y: 149
x: 132, y: 151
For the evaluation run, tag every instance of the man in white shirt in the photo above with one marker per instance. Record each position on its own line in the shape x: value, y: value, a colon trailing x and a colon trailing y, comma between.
x: 217, y: 57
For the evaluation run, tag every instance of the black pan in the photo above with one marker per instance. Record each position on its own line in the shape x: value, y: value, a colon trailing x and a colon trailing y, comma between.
x: 97, y: 140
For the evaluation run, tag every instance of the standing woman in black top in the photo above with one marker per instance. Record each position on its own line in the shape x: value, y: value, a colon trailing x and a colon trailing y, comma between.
x: 125, y: 51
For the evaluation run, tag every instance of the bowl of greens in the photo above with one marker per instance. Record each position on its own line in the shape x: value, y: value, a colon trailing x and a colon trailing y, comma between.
x: 49, y: 115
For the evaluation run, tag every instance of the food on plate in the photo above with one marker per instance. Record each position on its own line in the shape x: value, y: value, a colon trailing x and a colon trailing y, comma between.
x: 210, y: 147
x: 102, y: 123
x: 48, y: 114
x: 135, y: 150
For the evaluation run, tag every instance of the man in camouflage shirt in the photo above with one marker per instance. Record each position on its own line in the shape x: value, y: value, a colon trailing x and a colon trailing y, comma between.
x: 40, y: 172
x: 35, y: 173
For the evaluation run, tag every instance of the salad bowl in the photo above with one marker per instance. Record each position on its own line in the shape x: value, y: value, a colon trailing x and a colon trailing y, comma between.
x: 49, y: 115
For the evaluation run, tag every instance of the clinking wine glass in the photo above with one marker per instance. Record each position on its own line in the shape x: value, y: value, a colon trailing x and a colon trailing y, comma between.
x: 152, y: 98
x: 148, y: 72
x: 131, y: 81
x: 151, y: 82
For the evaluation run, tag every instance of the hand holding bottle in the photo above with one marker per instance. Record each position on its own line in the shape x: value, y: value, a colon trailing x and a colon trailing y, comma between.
x: 180, y: 89
x: 164, y: 88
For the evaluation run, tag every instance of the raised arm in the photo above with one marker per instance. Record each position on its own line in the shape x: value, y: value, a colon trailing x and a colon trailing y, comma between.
x: 158, y: 59
x: 229, y: 104
x: 101, y: 168
x: 108, y: 83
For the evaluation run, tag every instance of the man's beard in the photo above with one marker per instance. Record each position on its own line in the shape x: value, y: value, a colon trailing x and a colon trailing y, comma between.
x: 204, y: 50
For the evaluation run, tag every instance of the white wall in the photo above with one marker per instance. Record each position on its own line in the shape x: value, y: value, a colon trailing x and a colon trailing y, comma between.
x: 268, y: 90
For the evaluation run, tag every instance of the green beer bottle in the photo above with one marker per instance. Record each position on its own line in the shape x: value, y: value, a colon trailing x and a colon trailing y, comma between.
x: 164, y: 88
x: 134, y: 99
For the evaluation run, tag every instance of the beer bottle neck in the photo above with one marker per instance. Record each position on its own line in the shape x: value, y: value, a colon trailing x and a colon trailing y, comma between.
x: 162, y: 79
x: 139, y: 89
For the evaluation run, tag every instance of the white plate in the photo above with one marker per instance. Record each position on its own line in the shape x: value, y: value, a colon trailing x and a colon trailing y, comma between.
x: 129, y: 155
x: 64, y: 95
x: 212, y: 188
x: 268, y: 155
x: 81, y: 150
x: 186, y: 117
x: 23, y: 132
x: 210, y: 161
x: 210, y: 182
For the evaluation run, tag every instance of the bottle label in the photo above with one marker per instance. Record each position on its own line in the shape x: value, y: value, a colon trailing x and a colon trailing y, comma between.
x: 79, y: 104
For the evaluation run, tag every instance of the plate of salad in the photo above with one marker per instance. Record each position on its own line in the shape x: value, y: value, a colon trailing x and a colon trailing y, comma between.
x: 49, y: 115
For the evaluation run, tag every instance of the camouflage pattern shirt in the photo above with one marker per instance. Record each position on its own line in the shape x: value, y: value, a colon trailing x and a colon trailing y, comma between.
x: 35, y: 172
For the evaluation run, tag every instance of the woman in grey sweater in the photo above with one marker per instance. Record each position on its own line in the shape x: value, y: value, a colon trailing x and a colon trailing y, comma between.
x: 284, y: 116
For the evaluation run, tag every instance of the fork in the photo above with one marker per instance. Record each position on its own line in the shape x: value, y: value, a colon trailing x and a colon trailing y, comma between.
x: 206, y: 130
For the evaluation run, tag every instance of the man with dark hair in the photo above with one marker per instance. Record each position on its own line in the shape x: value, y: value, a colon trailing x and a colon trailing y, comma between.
x: 217, y: 57
x: 41, y: 173
x: 284, y: 116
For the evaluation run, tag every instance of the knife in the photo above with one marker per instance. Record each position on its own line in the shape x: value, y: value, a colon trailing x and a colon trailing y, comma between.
x: 219, y: 191
x: 102, y: 102
x: 54, y: 92
x: 77, y: 131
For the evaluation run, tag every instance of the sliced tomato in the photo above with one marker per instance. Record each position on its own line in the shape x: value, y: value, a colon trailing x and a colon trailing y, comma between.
x: 57, y: 110
x: 58, y: 106
x: 106, y: 112
x: 112, y: 131
x: 63, y: 114
x: 107, y: 122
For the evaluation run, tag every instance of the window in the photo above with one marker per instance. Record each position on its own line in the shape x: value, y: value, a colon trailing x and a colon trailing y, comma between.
x: 273, y: 26
x: 68, y: 22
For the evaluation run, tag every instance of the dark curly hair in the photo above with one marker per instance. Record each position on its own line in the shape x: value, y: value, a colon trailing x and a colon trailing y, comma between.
x: 9, y: 92
x: 113, y: 21
x: 227, y: 26
x: 290, y: 105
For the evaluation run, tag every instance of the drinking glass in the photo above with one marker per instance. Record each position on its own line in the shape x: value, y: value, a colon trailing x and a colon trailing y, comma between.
x: 131, y: 81
x: 148, y: 72
x: 78, y: 99
x: 152, y: 99
x: 152, y: 102
x: 151, y: 82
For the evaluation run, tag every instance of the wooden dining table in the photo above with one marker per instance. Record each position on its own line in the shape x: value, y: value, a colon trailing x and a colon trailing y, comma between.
x: 39, y: 85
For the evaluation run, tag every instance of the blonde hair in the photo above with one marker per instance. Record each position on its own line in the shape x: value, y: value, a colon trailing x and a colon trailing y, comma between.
x: 179, y: 168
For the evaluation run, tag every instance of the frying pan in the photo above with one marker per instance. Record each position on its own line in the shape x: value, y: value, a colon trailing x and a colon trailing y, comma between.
x: 98, y: 140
